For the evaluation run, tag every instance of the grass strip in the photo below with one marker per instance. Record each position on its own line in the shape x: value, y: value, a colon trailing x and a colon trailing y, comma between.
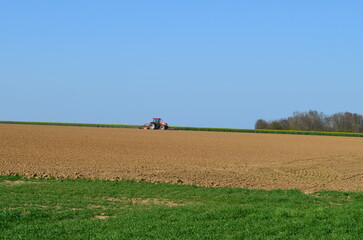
x: 293, y: 132
x: 72, y: 124
x: 99, y: 209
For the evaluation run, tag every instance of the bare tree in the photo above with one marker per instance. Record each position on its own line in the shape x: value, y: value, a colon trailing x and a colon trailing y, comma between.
x: 315, y: 121
x: 261, y: 124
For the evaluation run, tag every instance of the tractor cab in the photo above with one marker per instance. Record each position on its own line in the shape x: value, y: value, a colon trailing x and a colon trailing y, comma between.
x: 157, y: 120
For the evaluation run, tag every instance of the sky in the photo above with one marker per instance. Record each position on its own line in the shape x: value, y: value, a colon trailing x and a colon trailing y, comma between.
x: 196, y: 63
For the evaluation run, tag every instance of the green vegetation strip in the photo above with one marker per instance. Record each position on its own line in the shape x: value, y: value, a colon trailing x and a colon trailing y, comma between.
x: 72, y: 124
x: 342, y: 134
x: 270, y: 131
x: 98, y: 209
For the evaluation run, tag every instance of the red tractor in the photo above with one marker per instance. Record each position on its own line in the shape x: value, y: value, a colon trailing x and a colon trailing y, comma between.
x: 157, y: 123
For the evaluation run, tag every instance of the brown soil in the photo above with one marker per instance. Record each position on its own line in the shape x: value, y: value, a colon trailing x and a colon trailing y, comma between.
x: 101, y: 217
x: 146, y: 201
x: 11, y: 183
x: 264, y: 161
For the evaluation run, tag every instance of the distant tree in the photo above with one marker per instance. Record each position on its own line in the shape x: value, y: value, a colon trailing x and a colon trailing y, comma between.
x: 307, y: 121
x: 347, y: 122
x: 315, y: 121
x: 276, y: 125
x: 284, y: 123
x: 261, y: 124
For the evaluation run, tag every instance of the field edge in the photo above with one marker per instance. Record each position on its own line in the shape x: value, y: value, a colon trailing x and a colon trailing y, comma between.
x: 237, y: 130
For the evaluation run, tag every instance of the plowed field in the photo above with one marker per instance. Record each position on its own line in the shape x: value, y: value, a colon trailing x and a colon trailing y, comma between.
x: 244, y: 160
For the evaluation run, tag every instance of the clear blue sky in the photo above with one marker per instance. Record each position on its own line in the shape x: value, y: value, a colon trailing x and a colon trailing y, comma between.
x: 193, y: 63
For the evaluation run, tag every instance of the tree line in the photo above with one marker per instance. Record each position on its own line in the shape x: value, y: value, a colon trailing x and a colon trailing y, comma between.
x: 315, y: 121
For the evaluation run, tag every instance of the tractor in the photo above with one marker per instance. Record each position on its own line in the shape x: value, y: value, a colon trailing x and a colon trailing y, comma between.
x: 157, y: 123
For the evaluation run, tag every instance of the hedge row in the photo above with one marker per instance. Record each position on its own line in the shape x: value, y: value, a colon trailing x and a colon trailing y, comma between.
x: 192, y: 128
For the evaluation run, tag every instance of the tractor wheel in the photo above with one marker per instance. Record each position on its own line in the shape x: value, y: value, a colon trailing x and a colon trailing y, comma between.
x: 152, y: 126
x: 162, y: 127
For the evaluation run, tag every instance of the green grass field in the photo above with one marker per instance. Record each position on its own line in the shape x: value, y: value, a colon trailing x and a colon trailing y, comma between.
x: 99, y: 209
x: 293, y: 132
